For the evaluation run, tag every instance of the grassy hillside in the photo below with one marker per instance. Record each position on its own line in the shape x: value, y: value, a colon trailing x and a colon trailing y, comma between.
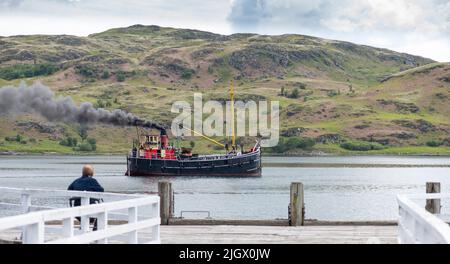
x: 336, y: 97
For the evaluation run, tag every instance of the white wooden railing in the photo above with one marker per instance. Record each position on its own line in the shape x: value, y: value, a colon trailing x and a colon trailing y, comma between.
x: 35, y: 228
x: 418, y: 226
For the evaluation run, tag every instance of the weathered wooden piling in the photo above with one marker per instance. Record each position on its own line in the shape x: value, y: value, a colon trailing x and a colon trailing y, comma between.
x: 297, y: 205
x: 166, y: 204
x: 433, y: 205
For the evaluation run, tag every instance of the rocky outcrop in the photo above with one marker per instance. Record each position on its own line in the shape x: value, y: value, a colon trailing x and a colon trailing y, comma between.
x: 406, y: 59
x: 194, y: 34
x: 16, y: 54
x: 400, y: 106
x: 257, y: 56
x: 446, y: 142
x: 69, y: 40
x: 117, y: 61
x: 203, y: 53
x: 362, y: 126
x: 329, y: 138
x: 292, y: 110
x: 293, y: 132
x: 422, y: 125
x: 46, y: 128
x: 404, y: 135
x: 167, y: 65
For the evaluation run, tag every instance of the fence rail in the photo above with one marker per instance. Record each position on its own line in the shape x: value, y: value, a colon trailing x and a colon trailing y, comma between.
x: 418, y: 226
x: 34, y: 229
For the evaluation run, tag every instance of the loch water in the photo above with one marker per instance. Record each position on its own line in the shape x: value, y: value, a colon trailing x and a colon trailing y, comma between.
x: 336, y: 188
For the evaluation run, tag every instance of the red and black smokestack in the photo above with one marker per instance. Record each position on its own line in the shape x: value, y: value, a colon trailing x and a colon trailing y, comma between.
x: 164, y: 139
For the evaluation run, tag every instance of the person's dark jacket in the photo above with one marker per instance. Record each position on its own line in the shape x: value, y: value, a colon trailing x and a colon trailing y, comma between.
x: 85, y: 183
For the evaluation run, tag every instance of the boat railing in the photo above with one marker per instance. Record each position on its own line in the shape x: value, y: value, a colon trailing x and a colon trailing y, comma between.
x: 39, y: 224
x: 203, y: 157
x: 416, y: 225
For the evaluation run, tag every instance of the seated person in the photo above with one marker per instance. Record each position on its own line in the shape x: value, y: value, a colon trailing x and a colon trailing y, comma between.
x: 86, y: 183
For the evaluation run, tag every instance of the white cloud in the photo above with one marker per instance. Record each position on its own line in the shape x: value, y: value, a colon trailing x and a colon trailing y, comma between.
x: 83, y: 17
x: 422, y: 26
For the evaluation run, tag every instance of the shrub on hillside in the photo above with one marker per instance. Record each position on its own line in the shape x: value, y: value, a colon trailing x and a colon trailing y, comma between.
x: 19, y: 71
x: 333, y: 93
x: 102, y: 103
x: 187, y: 74
x: 85, y: 147
x: 300, y: 85
x: 294, y: 94
x: 86, y: 71
x: 285, y: 145
x: 120, y: 76
x: 303, y: 143
x: 92, y: 141
x: 361, y: 146
x: 434, y: 143
x: 69, y: 142
x: 16, y: 138
x: 105, y: 74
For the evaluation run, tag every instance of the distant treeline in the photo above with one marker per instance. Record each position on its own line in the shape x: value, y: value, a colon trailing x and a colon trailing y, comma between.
x: 286, y: 144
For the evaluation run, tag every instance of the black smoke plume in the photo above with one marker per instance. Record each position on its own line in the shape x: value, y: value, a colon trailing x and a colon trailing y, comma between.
x: 39, y: 99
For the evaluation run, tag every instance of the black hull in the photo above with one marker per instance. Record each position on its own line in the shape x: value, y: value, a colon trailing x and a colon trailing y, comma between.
x: 236, y: 166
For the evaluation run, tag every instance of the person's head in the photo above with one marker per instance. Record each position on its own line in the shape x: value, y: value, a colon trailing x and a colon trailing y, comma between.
x: 88, y: 170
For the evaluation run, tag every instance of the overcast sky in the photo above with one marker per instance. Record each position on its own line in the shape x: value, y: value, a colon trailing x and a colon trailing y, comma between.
x: 420, y: 27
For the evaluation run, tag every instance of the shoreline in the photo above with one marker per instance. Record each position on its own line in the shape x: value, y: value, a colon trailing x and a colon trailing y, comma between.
x: 12, y: 153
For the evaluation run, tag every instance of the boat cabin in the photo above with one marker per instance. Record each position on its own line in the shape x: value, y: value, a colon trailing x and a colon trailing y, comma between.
x: 155, y: 147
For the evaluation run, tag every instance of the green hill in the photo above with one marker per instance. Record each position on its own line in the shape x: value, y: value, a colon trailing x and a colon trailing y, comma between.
x: 336, y: 97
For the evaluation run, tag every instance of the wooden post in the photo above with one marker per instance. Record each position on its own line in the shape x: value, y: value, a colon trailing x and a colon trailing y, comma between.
x: 433, y: 205
x: 166, y: 195
x: 297, y: 215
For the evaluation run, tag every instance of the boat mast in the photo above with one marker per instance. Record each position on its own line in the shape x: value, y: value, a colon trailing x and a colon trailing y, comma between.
x: 233, y: 135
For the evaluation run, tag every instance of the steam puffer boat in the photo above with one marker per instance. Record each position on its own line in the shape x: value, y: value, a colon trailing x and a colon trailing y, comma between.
x: 155, y: 156
x: 158, y: 158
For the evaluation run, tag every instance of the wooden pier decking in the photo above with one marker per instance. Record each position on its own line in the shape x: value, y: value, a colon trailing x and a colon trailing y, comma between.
x: 224, y: 234
x: 279, y: 234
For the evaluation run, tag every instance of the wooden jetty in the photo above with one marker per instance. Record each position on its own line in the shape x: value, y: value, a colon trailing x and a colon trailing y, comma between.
x: 279, y: 234
x: 225, y: 234
x: 416, y: 224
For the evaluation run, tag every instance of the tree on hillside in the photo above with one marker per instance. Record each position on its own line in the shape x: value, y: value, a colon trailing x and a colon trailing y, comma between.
x: 294, y: 94
x: 83, y: 132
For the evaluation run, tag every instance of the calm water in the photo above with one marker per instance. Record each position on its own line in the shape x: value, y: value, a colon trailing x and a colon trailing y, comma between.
x: 336, y: 193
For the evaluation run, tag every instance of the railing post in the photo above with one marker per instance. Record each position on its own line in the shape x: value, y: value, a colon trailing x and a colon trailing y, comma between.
x: 165, y: 194
x: 133, y: 218
x: 25, y: 200
x: 102, y: 224
x: 155, y: 214
x: 433, y: 205
x: 68, y: 227
x: 85, y: 218
x: 297, y: 214
x: 34, y: 233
